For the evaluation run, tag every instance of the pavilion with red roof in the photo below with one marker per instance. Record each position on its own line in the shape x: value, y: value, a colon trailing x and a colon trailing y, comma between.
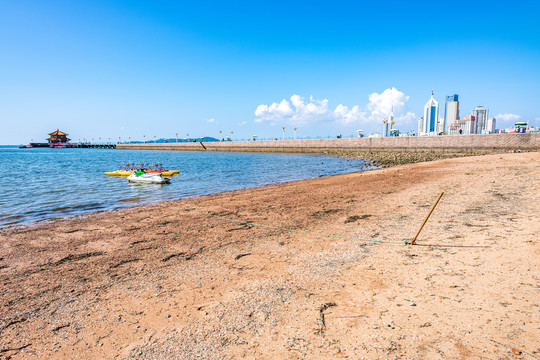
x: 58, y: 137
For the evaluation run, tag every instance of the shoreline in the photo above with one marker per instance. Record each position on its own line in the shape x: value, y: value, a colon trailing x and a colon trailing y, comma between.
x: 94, y: 186
x: 376, y: 159
x: 157, y: 280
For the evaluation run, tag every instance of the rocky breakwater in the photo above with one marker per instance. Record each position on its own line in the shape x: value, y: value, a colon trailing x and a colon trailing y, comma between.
x: 383, y: 158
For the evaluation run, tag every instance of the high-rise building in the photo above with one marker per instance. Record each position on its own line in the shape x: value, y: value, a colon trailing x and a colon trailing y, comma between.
x: 386, y: 128
x: 388, y: 124
x: 431, y: 117
x: 490, y: 127
x: 451, y: 111
x: 481, y: 116
x: 465, y: 126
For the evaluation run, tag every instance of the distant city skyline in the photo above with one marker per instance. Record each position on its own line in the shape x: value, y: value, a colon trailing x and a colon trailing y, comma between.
x: 128, y: 69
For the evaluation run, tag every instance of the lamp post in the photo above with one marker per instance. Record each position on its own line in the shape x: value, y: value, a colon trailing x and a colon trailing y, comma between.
x: 187, y: 136
x: 283, y: 128
x: 144, y: 138
x: 120, y: 139
x: 154, y: 138
x: 220, y: 137
x: 294, y: 133
x: 232, y: 132
x: 176, y: 137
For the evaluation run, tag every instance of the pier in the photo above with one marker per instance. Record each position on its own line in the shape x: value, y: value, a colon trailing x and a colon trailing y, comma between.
x: 93, y: 146
x: 70, y: 146
x: 59, y: 140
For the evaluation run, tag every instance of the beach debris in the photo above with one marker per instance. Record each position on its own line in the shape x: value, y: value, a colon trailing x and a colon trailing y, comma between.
x: 169, y: 257
x: 14, y: 349
x: 12, y: 322
x: 325, y: 212
x: 72, y: 257
x: 322, y: 321
x: 354, y: 218
x: 186, y: 257
x: 516, y: 351
x: 60, y: 327
x: 123, y: 262
x: 243, y: 227
x: 241, y: 256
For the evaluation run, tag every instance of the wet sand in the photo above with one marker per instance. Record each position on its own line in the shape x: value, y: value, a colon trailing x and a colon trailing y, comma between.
x: 170, y: 281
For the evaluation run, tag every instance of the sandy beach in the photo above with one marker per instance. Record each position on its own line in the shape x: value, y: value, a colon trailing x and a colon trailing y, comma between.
x: 314, y: 269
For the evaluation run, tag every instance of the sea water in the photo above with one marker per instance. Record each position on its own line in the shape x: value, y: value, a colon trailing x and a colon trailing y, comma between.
x: 42, y: 184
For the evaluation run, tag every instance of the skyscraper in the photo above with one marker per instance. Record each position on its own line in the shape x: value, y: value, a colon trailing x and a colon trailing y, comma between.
x: 491, y: 126
x: 431, y: 117
x: 451, y: 111
x: 389, y: 125
x: 481, y: 116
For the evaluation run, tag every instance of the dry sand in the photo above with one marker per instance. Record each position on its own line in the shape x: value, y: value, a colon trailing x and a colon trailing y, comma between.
x: 165, y: 281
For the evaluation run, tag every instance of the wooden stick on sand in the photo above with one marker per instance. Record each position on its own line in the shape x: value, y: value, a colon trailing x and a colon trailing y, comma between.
x: 427, y: 217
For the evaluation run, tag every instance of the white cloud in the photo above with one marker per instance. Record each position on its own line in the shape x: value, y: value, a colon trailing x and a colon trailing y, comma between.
x: 407, y: 118
x: 212, y: 120
x: 354, y: 115
x: 508, y: 117
x: 301, y: 112
x: 381, y: 104
x: 242, y: 123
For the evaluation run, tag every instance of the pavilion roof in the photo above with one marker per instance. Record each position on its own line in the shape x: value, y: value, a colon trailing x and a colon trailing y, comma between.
x: 58, y: 132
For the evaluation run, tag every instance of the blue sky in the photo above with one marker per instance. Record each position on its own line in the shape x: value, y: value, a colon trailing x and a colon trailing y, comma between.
x: 114, y: 69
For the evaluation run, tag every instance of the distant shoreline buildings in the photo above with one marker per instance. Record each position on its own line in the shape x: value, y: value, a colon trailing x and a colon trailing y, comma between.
x: 478, y: 122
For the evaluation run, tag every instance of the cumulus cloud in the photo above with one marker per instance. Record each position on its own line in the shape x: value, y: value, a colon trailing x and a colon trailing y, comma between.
x: 299, y: 111
x: 407, y: 118
x: 212, y: 120
x: 345, y: 115
x: 303, y: 112
x: 381, y: 104
x: 508, y: 117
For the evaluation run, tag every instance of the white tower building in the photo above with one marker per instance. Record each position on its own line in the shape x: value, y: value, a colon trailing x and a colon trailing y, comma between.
x: 491, y: 126
x: 388, y: 124
x: 431, y: 117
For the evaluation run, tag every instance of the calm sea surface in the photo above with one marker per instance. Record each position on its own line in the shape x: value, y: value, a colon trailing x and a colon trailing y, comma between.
x: 41, y: 184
